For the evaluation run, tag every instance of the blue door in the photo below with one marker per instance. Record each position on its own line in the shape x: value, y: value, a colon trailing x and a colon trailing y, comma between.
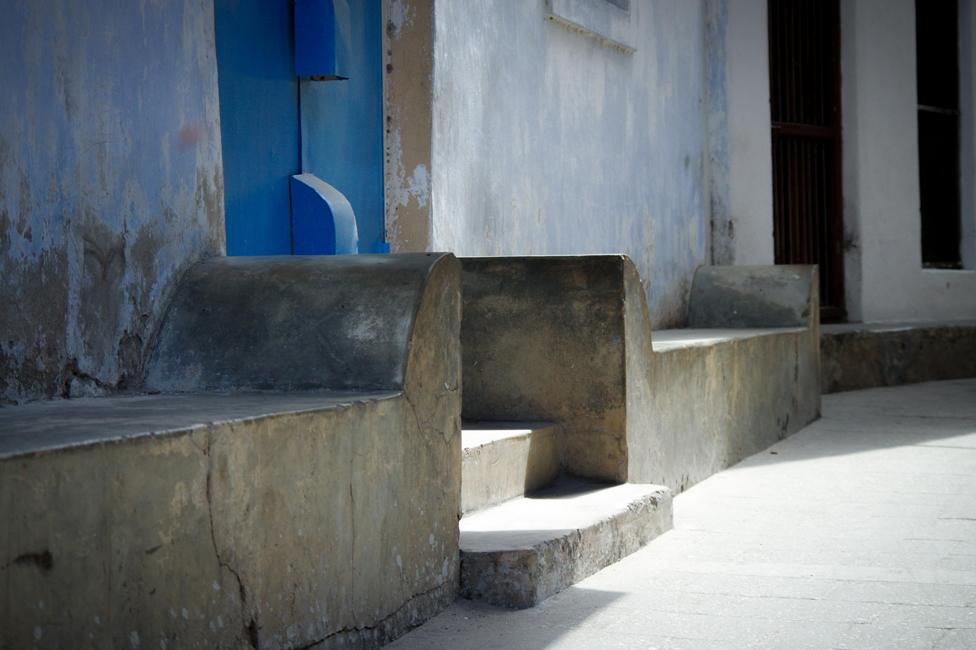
x: 260, y: 123
x: 274, y: 125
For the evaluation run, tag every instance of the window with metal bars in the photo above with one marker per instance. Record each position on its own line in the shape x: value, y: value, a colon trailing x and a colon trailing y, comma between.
x: 937, y: 66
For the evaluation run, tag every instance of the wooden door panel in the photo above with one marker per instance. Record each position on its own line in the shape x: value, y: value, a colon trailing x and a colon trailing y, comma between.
x: 804, y: 71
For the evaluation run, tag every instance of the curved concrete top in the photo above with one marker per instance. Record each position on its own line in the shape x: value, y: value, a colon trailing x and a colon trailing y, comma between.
x: 292, y: 323
x: 784, y: 295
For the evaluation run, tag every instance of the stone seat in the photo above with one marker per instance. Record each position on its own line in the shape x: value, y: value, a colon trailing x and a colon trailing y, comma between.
x: 293, y: 479
x: 638, y: 415
x: 53, y: 426
x: 569, y: 340
x: 893, y: 353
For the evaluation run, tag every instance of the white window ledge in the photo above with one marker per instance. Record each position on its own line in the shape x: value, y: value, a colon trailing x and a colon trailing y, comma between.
x: 611, y: 21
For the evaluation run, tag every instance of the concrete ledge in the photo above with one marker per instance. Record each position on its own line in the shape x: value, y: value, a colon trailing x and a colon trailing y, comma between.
x: 523, y: 551
x: 866, y: 355
x: 569, y: 339
x: 713, y: 405
x: 249, y: 519
x: 504, y: 460
x: 745, y: 376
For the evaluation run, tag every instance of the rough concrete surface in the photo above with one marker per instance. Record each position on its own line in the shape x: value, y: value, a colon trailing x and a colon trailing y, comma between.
x: 697, y: 406
x: 519, y: 553
x: 292, y: 323
x: 752, y: 296
x: 569, y: 339
x: 712, y: 405
x: 329, y: 525
x: 53, y: 425
x: 541, y: 339
x: 270, y: 532
x: 858, y: 532
x: 865, y: 355
x: 503, y: 460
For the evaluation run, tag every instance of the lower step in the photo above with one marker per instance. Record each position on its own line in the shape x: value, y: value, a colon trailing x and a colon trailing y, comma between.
x: 503, y: 460
x: 519, y: 553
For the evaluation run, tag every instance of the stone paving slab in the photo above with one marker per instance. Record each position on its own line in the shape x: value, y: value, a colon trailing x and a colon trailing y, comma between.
x: 857, y: 532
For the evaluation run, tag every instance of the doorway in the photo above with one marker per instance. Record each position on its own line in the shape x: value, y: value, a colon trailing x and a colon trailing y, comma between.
x: 804, y: 79
x: 259, y: 122
x: 275, y: 124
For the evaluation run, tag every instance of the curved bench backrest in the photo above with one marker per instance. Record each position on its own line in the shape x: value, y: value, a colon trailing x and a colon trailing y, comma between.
x: 543, y: 338
x: 291, y: 323
x: 753, y: 296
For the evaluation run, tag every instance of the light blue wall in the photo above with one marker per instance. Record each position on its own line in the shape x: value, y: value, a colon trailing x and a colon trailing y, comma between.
x: 110, y: 182
x: 342, y: 121
x: 549, y: 141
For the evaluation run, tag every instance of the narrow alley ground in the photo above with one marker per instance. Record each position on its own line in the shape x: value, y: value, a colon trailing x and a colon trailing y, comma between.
x: 857, y: 532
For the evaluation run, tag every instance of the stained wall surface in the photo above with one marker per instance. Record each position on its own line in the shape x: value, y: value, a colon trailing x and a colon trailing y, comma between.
x: 739, y: 140
x: 546, y: 140
x: 110, y: 183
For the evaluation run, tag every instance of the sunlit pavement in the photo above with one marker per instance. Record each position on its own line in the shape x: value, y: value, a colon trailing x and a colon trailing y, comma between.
x: 857, y: 532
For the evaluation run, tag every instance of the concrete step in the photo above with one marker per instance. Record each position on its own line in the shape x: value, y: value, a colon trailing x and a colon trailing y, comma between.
x: 504, y: 460
x: 519, y: 553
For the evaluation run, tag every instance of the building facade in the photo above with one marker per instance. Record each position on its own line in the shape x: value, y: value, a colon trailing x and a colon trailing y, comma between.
x: 137, y: 141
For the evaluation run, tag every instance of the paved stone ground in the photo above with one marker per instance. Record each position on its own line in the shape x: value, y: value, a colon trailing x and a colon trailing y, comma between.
x: 857, y: 532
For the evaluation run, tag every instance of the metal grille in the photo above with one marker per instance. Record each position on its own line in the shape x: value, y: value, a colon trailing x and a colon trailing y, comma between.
x: 804, y: 59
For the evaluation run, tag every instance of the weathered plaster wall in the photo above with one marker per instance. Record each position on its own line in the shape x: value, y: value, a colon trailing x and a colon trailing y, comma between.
x: 740, y: 161
x: 548, y: 141
x: 885, y: 278
x: 408, y: 54
x: 110, y: 183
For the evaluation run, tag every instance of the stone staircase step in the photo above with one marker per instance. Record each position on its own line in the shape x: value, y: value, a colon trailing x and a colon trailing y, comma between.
x: 504, y: 460
x: 520, y: 552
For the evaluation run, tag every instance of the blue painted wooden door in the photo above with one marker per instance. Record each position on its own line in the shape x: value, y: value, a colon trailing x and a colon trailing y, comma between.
x: 274, y: 126
x: 259, y: 122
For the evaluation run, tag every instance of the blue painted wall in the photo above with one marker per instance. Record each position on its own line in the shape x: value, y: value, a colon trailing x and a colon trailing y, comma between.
x: 342, y: 121
x: 110, y: 183
x: 259, y: 118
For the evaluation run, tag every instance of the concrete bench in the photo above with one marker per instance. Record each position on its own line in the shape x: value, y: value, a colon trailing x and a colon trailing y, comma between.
x: 744, y: 375
x: 569, y: 340
x: 291, y: 476
x: 866, y: 355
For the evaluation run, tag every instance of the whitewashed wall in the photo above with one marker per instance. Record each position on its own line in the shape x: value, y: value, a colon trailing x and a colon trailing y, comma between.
x: 548, y: 141
x: 885, y: 278
x: 740, y: 178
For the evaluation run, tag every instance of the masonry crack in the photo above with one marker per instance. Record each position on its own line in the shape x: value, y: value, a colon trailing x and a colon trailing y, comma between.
x: 423, y: 429
x: 369, y: 628
x: 249, y: 628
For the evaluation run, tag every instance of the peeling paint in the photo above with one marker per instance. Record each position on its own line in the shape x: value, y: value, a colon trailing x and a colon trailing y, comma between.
x: 401, y: 14
x: 407, y: 97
